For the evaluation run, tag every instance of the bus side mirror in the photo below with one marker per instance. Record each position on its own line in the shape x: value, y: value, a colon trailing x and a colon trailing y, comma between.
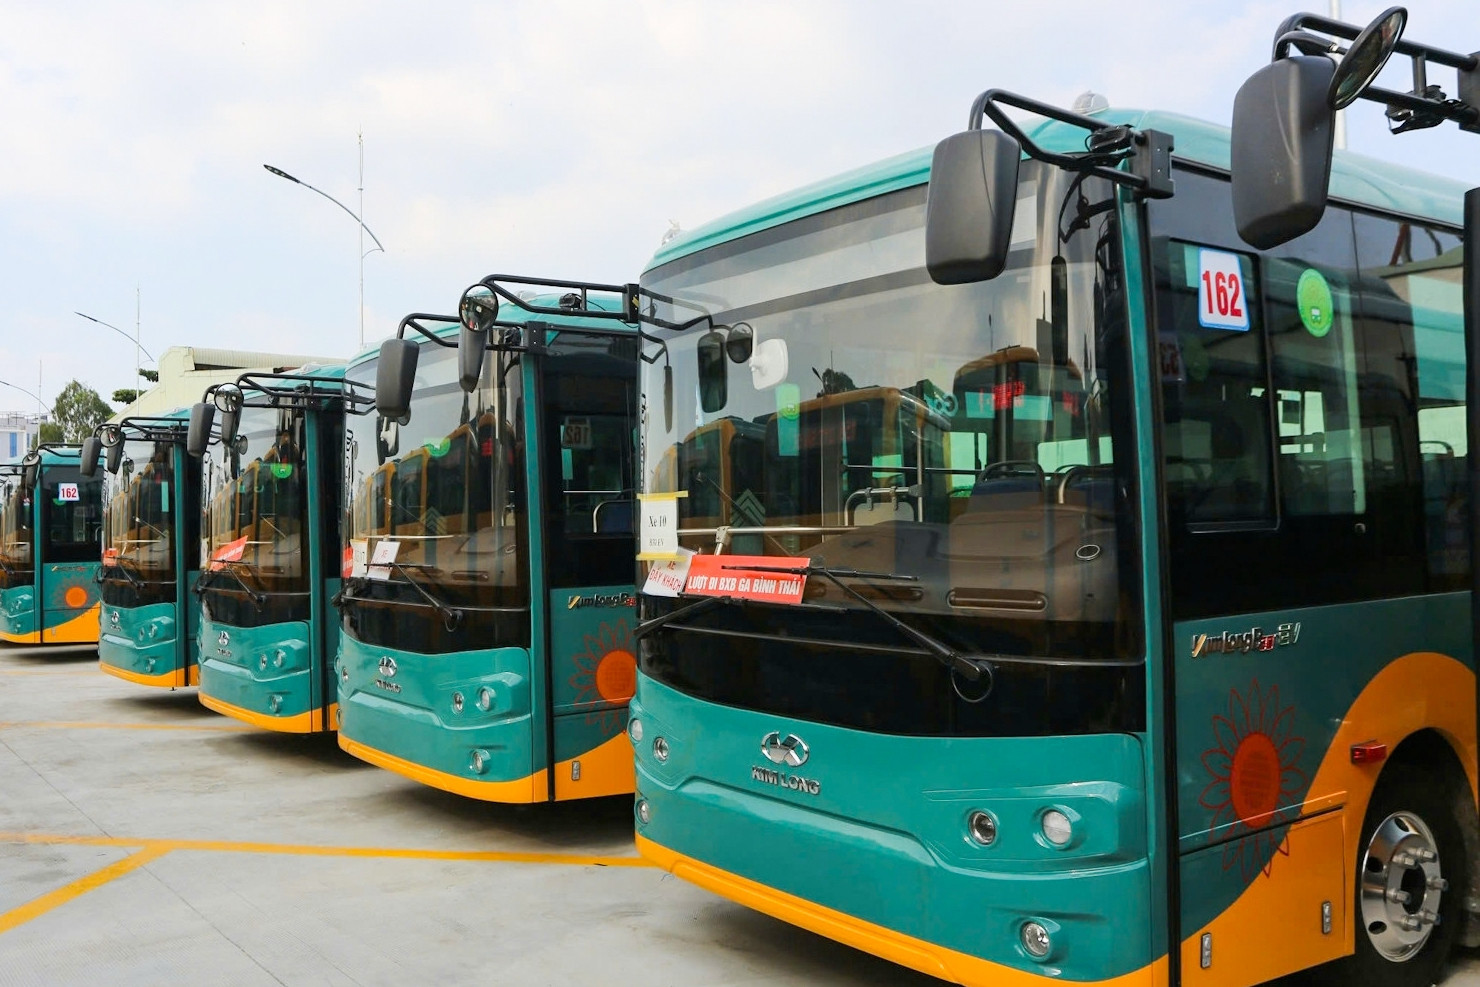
x: 476, y: 314
x: 1283, y: 127
x: 198, y: 435
x: 470, y: 345
x: 229, y: 400
x: 395, y: 376
x: 30, y: 470
x: 714, y: 381
x: 115, y: 458
x: 969, y: 206
x: 91, y: 447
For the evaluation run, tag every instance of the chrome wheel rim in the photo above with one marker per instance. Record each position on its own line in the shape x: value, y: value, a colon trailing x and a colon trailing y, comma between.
x: 1401, y: 884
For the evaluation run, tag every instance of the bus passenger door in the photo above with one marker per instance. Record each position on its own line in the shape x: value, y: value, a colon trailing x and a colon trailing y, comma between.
x: 587, y: 471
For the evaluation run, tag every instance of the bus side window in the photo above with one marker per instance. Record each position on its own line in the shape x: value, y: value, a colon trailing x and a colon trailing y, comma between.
x: 1214, y: 385
x: 1314, y: 338
x: 1411, y: 296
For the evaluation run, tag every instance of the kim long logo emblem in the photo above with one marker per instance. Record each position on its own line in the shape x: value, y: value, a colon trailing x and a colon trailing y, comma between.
x: 388, y: 666
x: 788, y: 750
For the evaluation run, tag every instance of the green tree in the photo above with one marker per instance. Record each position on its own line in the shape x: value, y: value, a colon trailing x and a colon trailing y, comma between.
x: 78, y: 410
x: 125, y: 395
x: 152, y: 376
x: 49, y: 432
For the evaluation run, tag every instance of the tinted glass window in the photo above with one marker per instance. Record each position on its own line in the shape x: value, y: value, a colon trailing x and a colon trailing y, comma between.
x: 590, y: 393
x: 71, y: 515
x: 1313, y: 454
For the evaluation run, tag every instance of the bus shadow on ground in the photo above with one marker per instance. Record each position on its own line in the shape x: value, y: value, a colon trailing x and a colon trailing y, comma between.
x: 798, y: 953
x: 178, y: 702
x: 313, y: 748
x: 582, y: 823
x: 42, y: 656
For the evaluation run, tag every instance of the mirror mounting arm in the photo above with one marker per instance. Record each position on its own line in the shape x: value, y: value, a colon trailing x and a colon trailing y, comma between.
x: 1149, y: 151
x: 1425, y: 106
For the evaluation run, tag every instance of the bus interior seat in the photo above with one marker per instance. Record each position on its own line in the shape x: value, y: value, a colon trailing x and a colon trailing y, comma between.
x: 1007, y: 491
x: 614, y: 517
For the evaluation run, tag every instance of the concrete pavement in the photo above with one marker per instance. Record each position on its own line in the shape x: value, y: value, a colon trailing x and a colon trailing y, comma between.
x: 146, y: 840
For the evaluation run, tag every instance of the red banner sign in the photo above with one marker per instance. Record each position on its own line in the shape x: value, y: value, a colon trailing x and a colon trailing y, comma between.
x: 747, y: 577
x: 232, y: 551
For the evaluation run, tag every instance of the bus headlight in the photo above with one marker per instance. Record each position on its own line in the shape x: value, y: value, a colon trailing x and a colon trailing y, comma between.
x: 1057, y: 828
x: 479, y: 761
x: 1035, y: 940
x: 277, y: 659
x: 660, y: 749
x: 982, y: 827
x: 644, y: 811
x: 457, y: 702
x: 485, y: 698
x: 634, y: 730
x: 262, y: 663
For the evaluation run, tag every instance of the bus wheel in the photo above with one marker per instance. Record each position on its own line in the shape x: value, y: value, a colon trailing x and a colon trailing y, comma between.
x: 1411, y: 878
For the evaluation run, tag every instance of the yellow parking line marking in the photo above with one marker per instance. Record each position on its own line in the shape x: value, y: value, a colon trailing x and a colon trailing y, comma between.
x: 309, y: 850
x: 104, y: 725
x: 52, y: 899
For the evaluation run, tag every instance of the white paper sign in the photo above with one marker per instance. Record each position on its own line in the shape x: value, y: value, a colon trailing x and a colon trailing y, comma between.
x: 68, y: 491
x: 666, y: 578
x: 657, y: 526
x: 381, y: 559
x: 359, y: 555
x: 1221, y: 303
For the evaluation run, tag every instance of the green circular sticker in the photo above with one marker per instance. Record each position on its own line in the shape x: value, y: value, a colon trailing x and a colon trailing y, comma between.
x: 282, y: 470
x: 1313, y: 300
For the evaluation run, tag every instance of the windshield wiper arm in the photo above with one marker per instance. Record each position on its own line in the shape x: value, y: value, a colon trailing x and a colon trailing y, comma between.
x: 229, y: 566
x: 970, y: 668
x: 691, y: 607
x: 127, y: 573
x: 451, y: 616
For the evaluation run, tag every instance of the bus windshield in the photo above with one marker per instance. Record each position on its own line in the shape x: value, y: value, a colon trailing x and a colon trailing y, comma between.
x: 436, y: 510
x: 15, y: 534
x: 142, y: 498
x: 972, y: 437
x: 255, y: 493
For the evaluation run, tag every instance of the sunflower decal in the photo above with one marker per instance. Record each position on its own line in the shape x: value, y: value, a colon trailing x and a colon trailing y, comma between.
x: 1256, y: 777
x: 606, y: 672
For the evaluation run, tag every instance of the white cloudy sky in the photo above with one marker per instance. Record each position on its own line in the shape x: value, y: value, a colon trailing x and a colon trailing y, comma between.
x: 554, y: 137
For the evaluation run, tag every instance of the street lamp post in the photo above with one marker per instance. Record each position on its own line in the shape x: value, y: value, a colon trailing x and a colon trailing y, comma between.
x: 135, y: 337
x: 42, y: 404
x: 360, y: 222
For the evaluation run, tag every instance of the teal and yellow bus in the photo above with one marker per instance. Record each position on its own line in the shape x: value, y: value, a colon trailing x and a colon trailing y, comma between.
x: 50, y: 529
x: 1167, y: 676
x: 486, y: 646
x: 270, y: 546
x: 151, y: 539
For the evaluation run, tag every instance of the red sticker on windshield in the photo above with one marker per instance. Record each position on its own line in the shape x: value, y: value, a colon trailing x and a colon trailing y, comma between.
x: 232, y: 551
x: 764, y: 578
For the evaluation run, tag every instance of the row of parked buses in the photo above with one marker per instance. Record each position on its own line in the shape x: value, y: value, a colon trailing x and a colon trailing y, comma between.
x: 1055, y: 552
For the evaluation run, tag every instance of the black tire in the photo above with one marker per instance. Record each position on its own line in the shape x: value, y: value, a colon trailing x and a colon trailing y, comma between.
x: 1406, y: 792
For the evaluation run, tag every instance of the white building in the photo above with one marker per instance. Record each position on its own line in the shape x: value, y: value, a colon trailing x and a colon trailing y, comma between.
x: 17, y: 432
x: 186, y: 371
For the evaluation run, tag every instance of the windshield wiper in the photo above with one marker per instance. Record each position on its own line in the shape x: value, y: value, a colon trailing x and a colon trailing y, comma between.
x: 691, y: 607
x: 972, y: 669
x: 127, y: 573
x: 451, y: 616
x: 229, y: 566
